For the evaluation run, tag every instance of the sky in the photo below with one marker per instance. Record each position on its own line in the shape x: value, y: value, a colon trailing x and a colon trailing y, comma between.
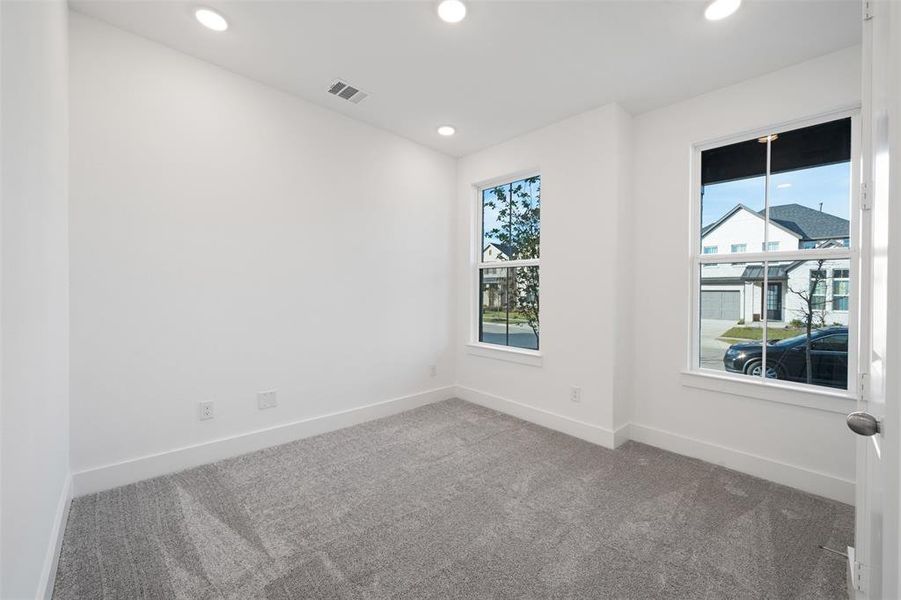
x: 830, y: 185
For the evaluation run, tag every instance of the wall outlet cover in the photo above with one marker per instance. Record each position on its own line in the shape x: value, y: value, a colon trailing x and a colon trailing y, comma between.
x: 267, y: 399
x: 206, y: 410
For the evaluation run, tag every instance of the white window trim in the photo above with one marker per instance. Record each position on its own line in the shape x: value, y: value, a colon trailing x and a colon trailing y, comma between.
x: 475, y: 347
x: 819, y: 398
x: 522, y: 356
x: 782, y: 392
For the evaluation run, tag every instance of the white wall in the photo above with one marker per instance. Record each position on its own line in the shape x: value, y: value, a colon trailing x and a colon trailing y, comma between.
x: 34, y: 320
x: 739, y: 430
x: 228, y: 238
x: 583, y: 164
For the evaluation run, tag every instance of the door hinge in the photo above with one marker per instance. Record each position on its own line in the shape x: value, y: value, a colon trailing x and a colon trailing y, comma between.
x: 861, y: 577
x: 865, y: 203
x: 867, y: 10
x: 858, y: 574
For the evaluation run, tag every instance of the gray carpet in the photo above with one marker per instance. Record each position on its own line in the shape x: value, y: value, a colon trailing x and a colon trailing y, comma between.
x: 453, y: 501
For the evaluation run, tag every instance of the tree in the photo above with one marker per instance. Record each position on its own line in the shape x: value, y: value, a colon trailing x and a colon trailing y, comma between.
x: 813, y: 309
x: 519, y: 235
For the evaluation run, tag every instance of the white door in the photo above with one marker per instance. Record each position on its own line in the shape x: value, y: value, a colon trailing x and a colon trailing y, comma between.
x: 874, y: 561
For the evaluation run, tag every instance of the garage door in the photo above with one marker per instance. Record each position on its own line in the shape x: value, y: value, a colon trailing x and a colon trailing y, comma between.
x: 720, y: 305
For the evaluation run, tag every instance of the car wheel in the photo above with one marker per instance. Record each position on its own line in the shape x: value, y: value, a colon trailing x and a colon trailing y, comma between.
x: 753, y: 369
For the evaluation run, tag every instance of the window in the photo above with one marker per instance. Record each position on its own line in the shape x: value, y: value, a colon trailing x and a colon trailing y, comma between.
x: 710, y: 249
x: 840, y: 281
x: 831, y: 343
x: 787, y: 191
x: 508, y: 271
x: 818, y: 289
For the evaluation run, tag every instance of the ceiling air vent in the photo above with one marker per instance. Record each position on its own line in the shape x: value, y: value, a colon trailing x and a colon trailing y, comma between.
x: 344, y: 90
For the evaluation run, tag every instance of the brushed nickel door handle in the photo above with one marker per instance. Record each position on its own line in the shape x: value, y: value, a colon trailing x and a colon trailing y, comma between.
x: 863, y: 423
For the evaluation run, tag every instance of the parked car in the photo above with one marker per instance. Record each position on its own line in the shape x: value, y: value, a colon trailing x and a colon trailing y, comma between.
x: 787, y: 359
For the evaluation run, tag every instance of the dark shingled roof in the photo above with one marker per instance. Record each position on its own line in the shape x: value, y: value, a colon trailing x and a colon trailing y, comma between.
x: 507, y: 249
x: 810, y: 224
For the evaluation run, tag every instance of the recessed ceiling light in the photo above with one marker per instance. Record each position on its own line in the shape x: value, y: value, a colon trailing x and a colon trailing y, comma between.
x: 783, y: 186
x: 446, y: 130
x: 452, y: 11
x: 720, y: 9
x: 211, y: 19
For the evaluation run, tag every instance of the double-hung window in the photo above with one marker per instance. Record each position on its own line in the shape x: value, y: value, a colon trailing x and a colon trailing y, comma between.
x: 840, y: 289
x: 818, y: 289
x: 788, y: 192
x: 508, y: 267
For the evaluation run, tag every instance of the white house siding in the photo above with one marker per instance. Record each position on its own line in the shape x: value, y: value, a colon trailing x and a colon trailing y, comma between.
x: 799, y: 280
x: 746, y: 227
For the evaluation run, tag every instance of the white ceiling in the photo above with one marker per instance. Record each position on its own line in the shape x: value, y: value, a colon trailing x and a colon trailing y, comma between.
x: 508, y: 68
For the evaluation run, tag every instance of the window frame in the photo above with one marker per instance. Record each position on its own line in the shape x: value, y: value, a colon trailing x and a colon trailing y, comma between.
x: 810, y: 396
x: 474, y: 345
x: 744, y: 248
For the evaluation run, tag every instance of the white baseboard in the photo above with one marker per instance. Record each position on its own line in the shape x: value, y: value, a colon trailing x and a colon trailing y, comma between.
x: 580, y: 429
x: 807, y: 480
x: 51, y: 559
x: 137, y: 469
x: 622, y: 434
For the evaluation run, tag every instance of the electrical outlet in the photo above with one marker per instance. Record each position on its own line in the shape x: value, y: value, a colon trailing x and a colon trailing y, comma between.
x: 206, y: 410
x: 575, y: 394
x: 267, y: 399
x: 433, y: 370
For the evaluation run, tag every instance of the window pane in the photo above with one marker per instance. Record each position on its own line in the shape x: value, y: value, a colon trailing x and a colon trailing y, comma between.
x: 525, y: 221
x: 509, y: 307
x: 730, y: 323
x: 496, y: 224
x: 810, y: 186
x: 812, y: 299
x: 733, y: 189
x: 511, y: 220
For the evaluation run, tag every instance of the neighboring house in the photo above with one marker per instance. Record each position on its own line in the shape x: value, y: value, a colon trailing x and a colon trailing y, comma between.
x: 496, y: 251
x: 734, y: 291
x: 493, y: 292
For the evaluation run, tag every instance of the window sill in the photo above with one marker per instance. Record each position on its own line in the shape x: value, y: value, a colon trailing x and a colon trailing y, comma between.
x: 781, y: 392
x: 516, y: 355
